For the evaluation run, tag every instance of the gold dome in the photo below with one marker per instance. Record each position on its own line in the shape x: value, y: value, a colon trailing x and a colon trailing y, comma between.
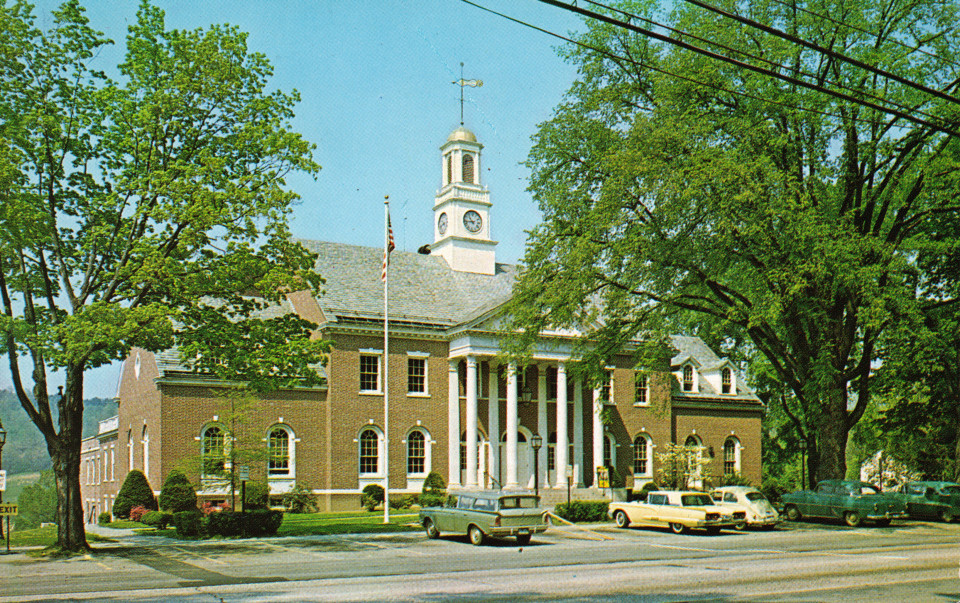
x: 463, y: 134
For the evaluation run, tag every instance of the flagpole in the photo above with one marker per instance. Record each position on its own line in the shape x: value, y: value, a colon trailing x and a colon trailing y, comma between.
x: 386, y: 361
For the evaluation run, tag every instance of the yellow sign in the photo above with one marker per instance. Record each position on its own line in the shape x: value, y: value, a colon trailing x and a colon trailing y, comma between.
x: 8, y: 509
x: 603, y: 477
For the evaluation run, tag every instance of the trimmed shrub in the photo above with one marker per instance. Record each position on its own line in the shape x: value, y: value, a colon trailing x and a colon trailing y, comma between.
x: 257, y: 496
x: 224, y: 523
x: 134, y: 491
x: 157, y: 519
x: 262, y: 522
x: 434, y: 490
x: 372, y: 496
x: 188, y: 523
x: 646, y: 489
x: 300, y: 499
x: 403, y: 502
x: 137, y: 513
x: 104, y: 518
x: 177, y: 493
x: 583, y: 510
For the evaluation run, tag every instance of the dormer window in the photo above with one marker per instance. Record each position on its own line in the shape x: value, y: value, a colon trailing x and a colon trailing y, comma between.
x: 467, y: 168
x: 688, y: 378
x: 726, y: 381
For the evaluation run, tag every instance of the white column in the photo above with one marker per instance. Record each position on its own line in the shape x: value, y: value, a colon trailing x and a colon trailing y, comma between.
x: 561, y: 455
x: 542, y: 427
x: 453, y: 421
x: 578, y: 457
x: 597, y: 435
x: 493, y: 425
x: 471, y: 472
x: 512, y: 424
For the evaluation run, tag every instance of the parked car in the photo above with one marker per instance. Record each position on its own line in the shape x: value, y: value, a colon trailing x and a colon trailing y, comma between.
x: 759, y: 512
x: 678, y: 510
x: 849, y: 500
x: 931, y: 500
x: 482, y: 514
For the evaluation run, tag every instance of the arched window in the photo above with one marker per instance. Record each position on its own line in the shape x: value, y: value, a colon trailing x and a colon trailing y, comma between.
x: 688, y: 378
x: 416, y: 453
x: 694, y: 461
x: 213, y: 451
x: 609, y: 451
x: 642, y: 467
x: 369, y: 451
x: 468, y: 168
x: 278, y: 452
x: 731, y: 456
x: 146, y: 451
x: 726, y: 381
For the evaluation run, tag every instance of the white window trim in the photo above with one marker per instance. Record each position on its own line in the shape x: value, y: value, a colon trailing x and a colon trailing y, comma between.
x: 611, y: 400
x: 733, y: 381
x: 646, y: 388
x: 291, y: 453
x: 379, y: 355
x: 425, y: 356
x: 737, y: 458
x: 427, y: 453
x: 379, y: 474
x: 649, y: 446
x: 696, y: 378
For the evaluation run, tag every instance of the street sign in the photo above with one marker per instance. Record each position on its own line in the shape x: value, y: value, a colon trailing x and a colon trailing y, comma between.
x: 8, y: 509
x: 244, y: 473
x: 3, y: 480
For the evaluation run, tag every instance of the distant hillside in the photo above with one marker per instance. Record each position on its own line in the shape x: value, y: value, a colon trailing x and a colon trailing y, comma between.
x: 25, y: 450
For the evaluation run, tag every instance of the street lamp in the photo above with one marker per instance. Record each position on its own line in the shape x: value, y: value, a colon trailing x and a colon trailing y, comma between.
x: 536, y: 442
x: 803, y: 464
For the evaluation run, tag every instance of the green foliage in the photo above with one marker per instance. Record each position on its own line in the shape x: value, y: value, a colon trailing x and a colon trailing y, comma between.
x: 258, y: 495
x: 404, y: 502
x: 37, y: 503
x: 371, y: 496
x: 188, y: 523
x: 434, y: 490
x: 681, y: 467
x: 646, y: 489
x: 579, y: 511
x: 104, y: 518
x: 224, y: 523
x: 134, y: 491
x: 300, y: 499
x: 262, y: 522
x: 733, y: 479
x: 177, y: 493
x: 798, y: 223
x: 157, y: 519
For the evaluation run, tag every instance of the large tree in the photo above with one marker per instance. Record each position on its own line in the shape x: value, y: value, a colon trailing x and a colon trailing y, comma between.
x: 148, y: 210
x: 790, y: 210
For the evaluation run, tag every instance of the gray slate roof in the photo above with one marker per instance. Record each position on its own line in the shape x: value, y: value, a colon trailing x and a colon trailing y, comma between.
x: 422, y: 288
x: 694, y: 348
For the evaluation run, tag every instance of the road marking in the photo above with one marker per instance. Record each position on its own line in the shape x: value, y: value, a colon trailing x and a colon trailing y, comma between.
x: 204, y: 557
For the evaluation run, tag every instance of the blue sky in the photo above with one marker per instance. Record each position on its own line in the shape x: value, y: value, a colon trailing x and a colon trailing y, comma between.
x: 377, y: 99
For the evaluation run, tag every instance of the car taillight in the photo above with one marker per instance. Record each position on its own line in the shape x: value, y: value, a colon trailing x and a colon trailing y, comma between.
x: 496, y: 522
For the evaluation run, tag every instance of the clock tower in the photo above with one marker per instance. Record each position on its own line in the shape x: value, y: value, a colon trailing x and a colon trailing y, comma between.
x: 461, y: 211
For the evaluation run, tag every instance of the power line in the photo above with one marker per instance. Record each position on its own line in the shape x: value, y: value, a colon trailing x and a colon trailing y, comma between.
x: 744, y: 65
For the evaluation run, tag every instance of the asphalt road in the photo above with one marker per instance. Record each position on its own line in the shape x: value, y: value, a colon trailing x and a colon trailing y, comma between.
x: 910, y: 561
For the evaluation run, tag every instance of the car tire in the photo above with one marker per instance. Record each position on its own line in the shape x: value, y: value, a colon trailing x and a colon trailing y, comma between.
x: 523, y: 539
x: 713, y: 530
x: 793, y: 513
x: 678, y: 528
x: 947, y: 516
x: 740, y: 526
x: 852, y: 519
x: 476, y: 535
x: 431, y: 529
x: 621, y: 519
x: 770, y: 527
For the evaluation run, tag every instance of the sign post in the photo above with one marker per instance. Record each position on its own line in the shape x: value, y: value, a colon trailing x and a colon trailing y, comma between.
x: 244, y: 476
x: 569, y: 482
x: 6, y: 510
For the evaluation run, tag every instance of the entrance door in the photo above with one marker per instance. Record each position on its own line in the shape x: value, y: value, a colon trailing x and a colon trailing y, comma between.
x: 524, y: 461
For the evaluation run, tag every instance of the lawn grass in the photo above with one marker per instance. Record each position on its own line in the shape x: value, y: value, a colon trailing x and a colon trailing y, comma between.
x: 352, y: 522
x: 124, y: 524
x: 45, y: 537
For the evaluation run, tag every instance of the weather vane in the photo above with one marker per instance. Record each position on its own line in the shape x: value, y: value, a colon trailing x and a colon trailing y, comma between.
x: 462, y: 82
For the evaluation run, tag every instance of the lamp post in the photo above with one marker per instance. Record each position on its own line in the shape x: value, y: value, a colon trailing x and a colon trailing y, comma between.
x: 803, y: 464
x: 536, y: 442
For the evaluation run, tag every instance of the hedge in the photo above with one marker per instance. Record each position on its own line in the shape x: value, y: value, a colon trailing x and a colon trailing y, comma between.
x: 188, y: 523
x: 583, y: 510
x: 157, y: 519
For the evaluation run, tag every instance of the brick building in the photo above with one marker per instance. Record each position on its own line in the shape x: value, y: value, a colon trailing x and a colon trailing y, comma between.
x: 454, y: 406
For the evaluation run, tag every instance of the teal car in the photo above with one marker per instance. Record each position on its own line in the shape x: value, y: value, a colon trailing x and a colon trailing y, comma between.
x: 849, y: 500
x: 931, y: 500
x: 480, y: 514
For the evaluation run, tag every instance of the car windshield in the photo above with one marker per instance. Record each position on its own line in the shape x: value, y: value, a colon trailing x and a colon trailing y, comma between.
x: 695, y: 500
x: 518, y: 502
x: 865, y: 489
x: 755, y: 496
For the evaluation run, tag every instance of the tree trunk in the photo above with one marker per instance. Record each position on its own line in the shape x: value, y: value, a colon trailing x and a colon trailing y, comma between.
x: 832, y: 436
x: 65, y: 454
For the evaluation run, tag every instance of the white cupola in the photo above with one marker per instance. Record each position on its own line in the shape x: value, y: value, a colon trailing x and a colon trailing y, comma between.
x: 461, y: 210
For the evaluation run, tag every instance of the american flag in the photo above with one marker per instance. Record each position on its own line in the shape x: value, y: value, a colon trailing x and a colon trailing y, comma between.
x: 386, y: 252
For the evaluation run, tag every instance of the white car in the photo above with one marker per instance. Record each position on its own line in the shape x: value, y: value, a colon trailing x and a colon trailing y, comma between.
x: 760, y: 513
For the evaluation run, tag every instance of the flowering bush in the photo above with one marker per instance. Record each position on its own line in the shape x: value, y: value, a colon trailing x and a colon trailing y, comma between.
x: 137, y: 512
x: 208, y: 508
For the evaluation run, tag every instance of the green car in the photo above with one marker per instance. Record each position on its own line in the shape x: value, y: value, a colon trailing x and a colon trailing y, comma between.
x: 480, y: 514
x: 931, y: 500
x: 849, y: 500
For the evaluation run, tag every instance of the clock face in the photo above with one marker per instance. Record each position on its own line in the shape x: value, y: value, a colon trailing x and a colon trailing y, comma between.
x: 442, y: 223
x: 472, y: 221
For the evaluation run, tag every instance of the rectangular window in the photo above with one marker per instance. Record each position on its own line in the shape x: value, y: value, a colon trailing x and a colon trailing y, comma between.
x: 606, y: 390
x: 551, y: 383
x: 551, y: 457
x: 416, y: 375
x: 725, y: 381
x: 369, y: 373
x: 642, y: 395
x: 416, y: 453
